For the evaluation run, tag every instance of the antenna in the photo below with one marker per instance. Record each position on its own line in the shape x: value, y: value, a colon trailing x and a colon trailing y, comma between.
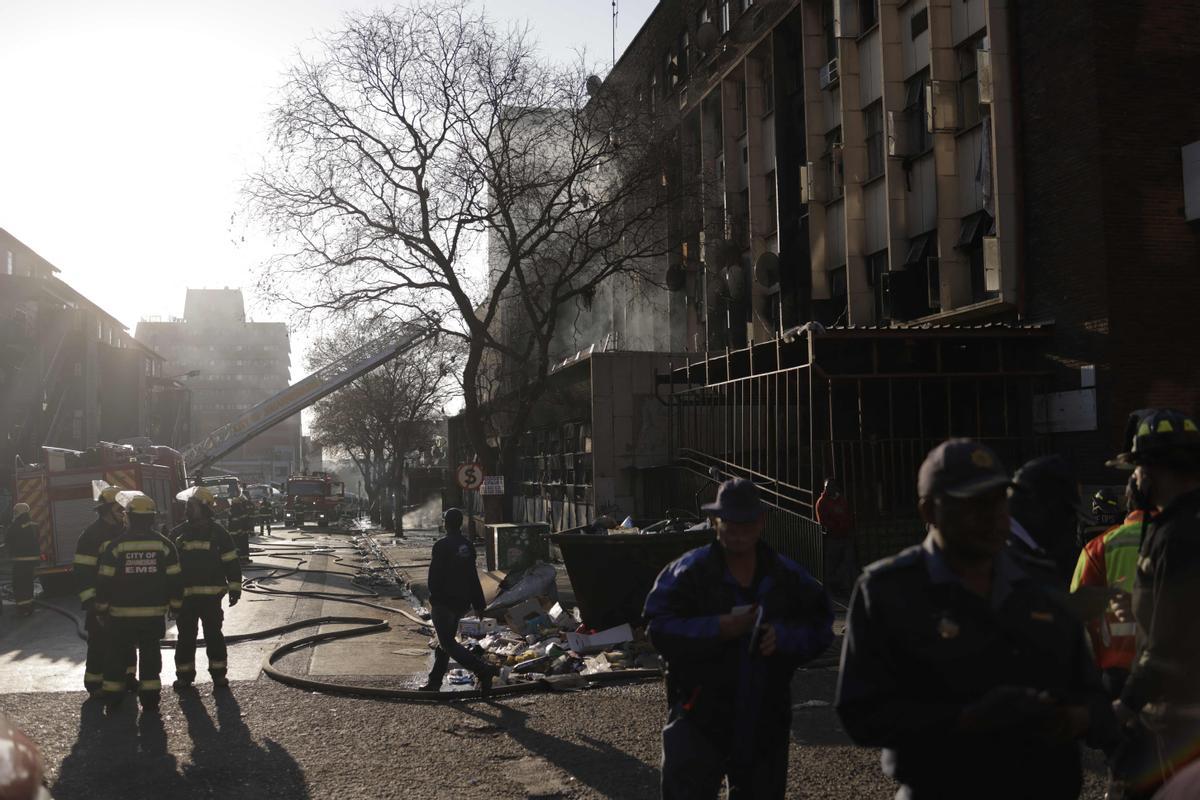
x: 614, y: 33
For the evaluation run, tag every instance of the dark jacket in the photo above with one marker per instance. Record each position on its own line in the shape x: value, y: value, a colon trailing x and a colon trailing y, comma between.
x: 727, y: 692
x: 453, y: 579
x: 1166, y: 606
x: 91, y: 544
x: 208, y: 558
x: 139, y: 578
x: 920, y: 648
x: 22, y: 540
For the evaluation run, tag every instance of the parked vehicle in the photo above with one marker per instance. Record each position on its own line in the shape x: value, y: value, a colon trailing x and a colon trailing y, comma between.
x: 313, y: 497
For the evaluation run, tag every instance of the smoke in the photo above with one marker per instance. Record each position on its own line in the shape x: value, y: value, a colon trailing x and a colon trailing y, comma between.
x: 627, y: 312
x: 427, y: 516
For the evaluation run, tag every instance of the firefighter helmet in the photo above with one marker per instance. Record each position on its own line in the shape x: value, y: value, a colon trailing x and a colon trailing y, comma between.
x: 141, y: 504
x: 19, y: 509
x: 1153, y: 433
x: 204, y: 496
x: 108, y: 496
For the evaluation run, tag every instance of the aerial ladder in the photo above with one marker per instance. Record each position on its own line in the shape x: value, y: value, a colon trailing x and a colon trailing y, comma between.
x: 203, y: 454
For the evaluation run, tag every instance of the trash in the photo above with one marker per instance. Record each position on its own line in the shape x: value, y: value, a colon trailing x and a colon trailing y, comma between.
x: 476, y: 627
x: 539, y: 580
x: 598, y: 641
x: 596, y: 664
x: 460, y: 677
x: 812, y: 704
x: 528, y: 616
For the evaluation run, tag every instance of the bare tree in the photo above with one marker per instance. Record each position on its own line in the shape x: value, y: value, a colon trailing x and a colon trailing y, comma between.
x: 384, y: 415
x: 422, y: 137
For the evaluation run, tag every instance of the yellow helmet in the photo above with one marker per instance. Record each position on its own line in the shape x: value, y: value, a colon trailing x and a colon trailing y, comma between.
x: 19, y: 509
x: 204, y: 496
x: 141, y: 505
x: 108, y: 495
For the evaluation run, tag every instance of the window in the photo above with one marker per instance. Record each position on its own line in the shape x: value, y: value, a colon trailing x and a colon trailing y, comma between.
x: 827, y: 25
x: 877, y: 265
x: 868, y: 13
x: 652, y: 92
x: 914, y: 105
x: 670, y: 70
x: 968, y: 82
x: 919, y: 23
x: 771, y: 222
x: 683, y: 47
x: 768, y: 85
x: 832, y: 161
x: 837, y: 284
x: 873, y: 121
x: 725, y: 16
x: 8, y: 262
x: 702, y: 14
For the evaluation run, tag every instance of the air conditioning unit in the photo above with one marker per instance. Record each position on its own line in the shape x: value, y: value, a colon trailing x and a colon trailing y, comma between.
x: 899, y: 134
x: 983, y: 75
x: 933, y: 283
x: 829, y: 74
x: 941, y: 106
x: 991, y: 264
x: 814, y: 184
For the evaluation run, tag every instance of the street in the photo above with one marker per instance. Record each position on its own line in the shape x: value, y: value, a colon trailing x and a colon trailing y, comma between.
x: 264, y: 739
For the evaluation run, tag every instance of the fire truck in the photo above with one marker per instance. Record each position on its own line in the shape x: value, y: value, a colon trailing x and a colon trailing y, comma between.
x: 313, y: 497
x: 59, y: 488
x: 61, y: 499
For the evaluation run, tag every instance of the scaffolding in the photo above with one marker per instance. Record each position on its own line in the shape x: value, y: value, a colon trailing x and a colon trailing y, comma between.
x: 862, y: 404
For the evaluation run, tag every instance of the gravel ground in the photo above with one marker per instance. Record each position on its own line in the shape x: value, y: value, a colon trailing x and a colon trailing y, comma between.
x: 266, y: 740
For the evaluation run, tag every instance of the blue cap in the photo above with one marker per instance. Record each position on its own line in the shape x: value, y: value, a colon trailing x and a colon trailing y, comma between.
x: 737, y: 501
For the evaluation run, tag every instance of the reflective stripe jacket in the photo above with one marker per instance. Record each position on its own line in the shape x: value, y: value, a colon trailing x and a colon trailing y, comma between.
x: 22, y: 539
x: 1166, y: 599
x: 92, y: 541
x: 1110, y: 560
x: 138, y: 577
x: 209, y: 559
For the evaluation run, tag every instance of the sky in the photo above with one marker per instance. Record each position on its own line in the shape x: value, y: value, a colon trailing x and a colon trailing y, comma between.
x: 127, y: 126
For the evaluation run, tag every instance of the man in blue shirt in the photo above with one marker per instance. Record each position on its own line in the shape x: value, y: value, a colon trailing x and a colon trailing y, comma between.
x: 733, y: 620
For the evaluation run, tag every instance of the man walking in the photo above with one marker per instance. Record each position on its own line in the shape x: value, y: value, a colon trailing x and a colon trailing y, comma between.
x: 209, y: 562
x: 453, y: 588
x: 25, y: 552
x: 734, y: 620
x: 971, y: 677
x: 108, y: 525
x: 137, y: 582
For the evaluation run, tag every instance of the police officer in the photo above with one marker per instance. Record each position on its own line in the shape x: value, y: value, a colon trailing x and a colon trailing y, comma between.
x: 109, y: 524
x: 972, y: 678
x: 733, y: 620
x: 25, y: 552
x: 210, y: 571
x: 453, y: 588
x: 1044, y: 512
x: 137, y: 582
x: 1161, y: 698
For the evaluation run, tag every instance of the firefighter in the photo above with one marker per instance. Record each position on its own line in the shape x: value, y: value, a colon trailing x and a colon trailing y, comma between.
x: 239, y: 527
x: 25, y: 552
x: 210, y: 570
x: 137, y: 582
x: 264, y: 517
x: 109, y: 524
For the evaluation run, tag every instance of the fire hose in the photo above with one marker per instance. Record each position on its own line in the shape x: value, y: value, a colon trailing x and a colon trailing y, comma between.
x: 363, y: 626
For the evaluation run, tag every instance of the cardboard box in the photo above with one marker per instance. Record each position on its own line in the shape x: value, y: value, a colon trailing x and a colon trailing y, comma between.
x: 527, y: 616
x: 600, y: 640
x: 475, y: 628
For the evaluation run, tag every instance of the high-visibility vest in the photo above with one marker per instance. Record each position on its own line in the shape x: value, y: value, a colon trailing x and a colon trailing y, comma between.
x: 1111, y: 560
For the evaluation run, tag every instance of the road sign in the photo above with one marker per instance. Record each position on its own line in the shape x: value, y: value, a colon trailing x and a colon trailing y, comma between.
x: 469, y: 476
x: 492, y: 484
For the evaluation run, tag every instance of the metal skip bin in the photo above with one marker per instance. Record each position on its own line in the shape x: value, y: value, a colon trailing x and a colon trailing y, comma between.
x: 611, y: 575
x: 513, y: 546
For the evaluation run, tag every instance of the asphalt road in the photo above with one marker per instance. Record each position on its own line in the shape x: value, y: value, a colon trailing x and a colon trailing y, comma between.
x: 263, y: 739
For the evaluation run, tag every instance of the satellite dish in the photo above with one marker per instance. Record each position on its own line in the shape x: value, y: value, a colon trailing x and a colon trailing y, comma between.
x: 766, y: 269
x: 707, y: 36
x: 594, y: 84
x: 735, y: 281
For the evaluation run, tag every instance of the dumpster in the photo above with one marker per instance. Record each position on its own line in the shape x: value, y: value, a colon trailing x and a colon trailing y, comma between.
x: 515, y: 545
x: 612, y: 574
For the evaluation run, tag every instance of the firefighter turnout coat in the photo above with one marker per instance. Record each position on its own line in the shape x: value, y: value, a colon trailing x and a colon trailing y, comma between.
x: 138, y: 577
x: 209, y: 559
x: 92, y: 541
